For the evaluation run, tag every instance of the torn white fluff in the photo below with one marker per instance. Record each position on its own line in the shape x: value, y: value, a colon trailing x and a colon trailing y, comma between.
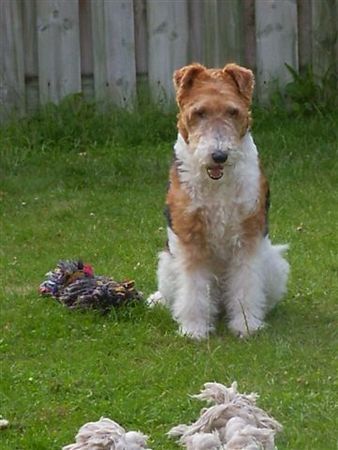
x: 218, y: 394
x: 234, y: 422
x: 3, y: 424
x: 107, y: 435
x: 203, y: 441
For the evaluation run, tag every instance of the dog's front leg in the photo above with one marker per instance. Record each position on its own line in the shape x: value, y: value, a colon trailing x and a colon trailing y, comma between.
x: 193, y: 308
x: 246, y: 302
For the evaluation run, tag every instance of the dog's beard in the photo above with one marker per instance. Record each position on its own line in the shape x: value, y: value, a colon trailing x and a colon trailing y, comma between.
x: 203, y: 153
x: 195, y: 160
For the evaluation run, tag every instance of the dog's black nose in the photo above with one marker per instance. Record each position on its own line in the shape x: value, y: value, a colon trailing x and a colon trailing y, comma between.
x: 219, y: 156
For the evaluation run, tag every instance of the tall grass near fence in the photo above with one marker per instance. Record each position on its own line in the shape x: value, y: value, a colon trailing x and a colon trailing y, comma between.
x: 75, y: 183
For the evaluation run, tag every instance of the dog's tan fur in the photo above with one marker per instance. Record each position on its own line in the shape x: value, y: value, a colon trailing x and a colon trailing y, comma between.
x: 190, y: 227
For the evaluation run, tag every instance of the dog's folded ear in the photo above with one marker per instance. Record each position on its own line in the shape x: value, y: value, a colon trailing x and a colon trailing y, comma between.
x: 243, y: 78
x: 183, y: 78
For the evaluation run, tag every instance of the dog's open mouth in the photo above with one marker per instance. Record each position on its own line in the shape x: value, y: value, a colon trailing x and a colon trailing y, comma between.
x: 215, y: 172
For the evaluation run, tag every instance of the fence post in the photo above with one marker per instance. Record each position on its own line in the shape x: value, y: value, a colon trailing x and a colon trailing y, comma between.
x: 324, y: 35
x: 58, y: 49
x: 114, y: 51
x: 277, y: 44
x: 12, y: 80
x: 168, y: 44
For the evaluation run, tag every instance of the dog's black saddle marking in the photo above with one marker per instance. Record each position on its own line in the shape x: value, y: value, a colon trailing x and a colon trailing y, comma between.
x: 167, y: 215
x: 267, y: 207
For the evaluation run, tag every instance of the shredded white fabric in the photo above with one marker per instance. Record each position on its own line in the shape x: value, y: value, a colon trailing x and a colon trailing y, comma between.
x: 106, y: 434
x: 233, y: 422
x: 3, y: 424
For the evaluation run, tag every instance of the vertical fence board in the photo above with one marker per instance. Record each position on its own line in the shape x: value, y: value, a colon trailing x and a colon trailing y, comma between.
x: 168, y: 43
x: 230, y: 20
x: 324, y: 36
x: 223, y: 32
x: 196, y: 31
x: 141, y: 41
x: 114, y: 51
x: 58, y: 49
x: 12, y: 81
x: 277, y: 42
x: 120, y: 50
x: 211, y: 50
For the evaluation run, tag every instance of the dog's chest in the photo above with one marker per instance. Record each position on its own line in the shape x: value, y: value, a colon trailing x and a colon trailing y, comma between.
x: 222, y: 225
x: 223, y: 211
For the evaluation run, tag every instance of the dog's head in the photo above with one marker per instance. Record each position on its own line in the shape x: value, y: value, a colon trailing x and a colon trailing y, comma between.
x: 214, y: 112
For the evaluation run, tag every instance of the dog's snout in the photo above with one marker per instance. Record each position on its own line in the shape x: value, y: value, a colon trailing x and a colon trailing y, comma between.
x: 219, y: 156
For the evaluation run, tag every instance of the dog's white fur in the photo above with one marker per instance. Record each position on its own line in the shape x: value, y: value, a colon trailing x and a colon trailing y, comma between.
x: 246, y: 283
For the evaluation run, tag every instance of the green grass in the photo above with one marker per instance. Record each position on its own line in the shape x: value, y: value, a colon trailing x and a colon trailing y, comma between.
x: 75, y: 184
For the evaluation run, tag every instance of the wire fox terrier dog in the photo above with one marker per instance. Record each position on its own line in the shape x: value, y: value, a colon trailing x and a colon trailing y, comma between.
x: 219, y: 255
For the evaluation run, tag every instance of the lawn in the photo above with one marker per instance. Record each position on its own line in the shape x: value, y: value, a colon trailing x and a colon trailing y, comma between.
x: 79, y: 185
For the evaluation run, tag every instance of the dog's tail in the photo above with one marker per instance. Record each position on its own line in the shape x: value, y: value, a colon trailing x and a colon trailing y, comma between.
x: 276, y: 274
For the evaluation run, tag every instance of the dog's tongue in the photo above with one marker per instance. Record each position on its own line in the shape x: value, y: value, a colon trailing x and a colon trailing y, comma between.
x: 215, y: 172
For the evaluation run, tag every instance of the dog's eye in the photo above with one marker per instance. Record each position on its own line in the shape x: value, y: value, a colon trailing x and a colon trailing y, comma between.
x: 200, y: 113
x: 232, y: 111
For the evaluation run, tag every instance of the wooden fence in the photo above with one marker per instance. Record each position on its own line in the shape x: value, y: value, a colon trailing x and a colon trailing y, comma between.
x: 102, y: 48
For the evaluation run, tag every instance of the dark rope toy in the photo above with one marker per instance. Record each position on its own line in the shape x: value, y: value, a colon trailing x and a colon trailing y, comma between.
x: 74, y: 284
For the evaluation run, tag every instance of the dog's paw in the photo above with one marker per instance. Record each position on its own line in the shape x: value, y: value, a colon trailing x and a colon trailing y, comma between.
x: 245, y: 327
x: 198, y: 331
x: 155, y: 299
